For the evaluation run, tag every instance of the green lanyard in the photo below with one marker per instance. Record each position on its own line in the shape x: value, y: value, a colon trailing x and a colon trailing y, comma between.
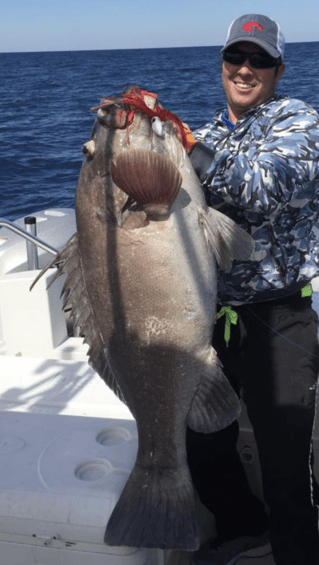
x: 306, y: 290
x: 232, y: 316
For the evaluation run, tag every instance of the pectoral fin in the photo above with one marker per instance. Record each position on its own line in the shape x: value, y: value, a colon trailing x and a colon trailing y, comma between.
x: 228, y: 241
x: 152, y: 180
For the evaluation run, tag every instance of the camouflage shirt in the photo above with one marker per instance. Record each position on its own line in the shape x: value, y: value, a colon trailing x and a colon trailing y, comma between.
x: 265, y: 176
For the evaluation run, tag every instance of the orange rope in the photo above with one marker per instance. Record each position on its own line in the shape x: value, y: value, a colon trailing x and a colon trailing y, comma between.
x: 136, y: 99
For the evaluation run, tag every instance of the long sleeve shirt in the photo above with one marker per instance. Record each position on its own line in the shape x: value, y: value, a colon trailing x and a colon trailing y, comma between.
x: 265, y: 176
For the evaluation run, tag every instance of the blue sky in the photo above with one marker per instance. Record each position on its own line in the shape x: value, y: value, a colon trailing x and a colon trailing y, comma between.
x: 63, y: 25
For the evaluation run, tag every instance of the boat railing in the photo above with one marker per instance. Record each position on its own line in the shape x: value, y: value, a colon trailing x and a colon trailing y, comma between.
x: 32, y: 241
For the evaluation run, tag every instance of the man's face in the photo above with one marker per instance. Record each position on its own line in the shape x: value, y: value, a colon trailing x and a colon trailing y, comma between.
x: 246, y: 87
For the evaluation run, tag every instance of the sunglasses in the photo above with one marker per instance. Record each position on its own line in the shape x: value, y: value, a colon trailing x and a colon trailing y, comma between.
x: 256, y: 60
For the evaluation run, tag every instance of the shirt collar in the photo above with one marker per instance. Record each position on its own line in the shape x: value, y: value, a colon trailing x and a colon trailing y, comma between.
x: 226, y: 120
x: 225, y: 114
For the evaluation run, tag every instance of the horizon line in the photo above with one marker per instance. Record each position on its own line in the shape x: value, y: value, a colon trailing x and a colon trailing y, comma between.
x: 129, y: 48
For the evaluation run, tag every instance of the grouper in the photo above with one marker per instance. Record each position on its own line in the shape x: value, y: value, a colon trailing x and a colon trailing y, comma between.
x: 142, y: 282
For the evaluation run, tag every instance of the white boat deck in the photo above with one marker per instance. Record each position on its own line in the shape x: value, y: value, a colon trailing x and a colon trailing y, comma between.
x: 52, y: 412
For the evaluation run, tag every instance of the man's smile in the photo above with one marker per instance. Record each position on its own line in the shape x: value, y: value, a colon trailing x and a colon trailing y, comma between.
x: 243, y: 85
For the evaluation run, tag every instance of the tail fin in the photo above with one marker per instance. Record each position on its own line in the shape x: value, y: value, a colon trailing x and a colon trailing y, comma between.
x: 156, y: 509
x: 228, y: 241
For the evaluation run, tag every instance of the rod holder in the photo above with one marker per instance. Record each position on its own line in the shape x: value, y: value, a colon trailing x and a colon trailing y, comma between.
x: 30, y: 223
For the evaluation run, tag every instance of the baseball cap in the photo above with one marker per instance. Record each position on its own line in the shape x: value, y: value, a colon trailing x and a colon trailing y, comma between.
x: 257, y: 29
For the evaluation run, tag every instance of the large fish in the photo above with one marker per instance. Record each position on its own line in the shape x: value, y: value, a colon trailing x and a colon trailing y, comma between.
x: 143, y: 284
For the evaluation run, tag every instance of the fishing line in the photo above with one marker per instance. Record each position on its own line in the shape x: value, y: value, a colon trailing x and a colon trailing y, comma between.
x: 281, y: 335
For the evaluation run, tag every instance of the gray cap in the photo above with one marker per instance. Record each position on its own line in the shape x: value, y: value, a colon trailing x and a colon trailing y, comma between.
x: 257, y: 29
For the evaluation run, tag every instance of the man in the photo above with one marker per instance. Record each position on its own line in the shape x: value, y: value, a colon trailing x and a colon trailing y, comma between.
x: 258, y: 162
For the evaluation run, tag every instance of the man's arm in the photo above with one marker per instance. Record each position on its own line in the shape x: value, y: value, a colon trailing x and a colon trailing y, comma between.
x: 261, y: 173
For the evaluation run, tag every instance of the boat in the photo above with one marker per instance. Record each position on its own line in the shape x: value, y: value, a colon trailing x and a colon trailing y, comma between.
x: 67, y: 443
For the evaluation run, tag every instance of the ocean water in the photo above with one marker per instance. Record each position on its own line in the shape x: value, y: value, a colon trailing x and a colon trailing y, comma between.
x: 45, y: 101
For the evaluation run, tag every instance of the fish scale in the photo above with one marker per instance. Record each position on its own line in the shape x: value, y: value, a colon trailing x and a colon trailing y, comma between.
x: 142, y: 278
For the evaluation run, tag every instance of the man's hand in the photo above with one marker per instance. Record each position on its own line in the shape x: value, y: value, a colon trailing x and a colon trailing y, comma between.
x: 190, y: 140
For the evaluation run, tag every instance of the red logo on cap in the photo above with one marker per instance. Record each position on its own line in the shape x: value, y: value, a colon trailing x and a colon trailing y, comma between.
x: 249, y: 26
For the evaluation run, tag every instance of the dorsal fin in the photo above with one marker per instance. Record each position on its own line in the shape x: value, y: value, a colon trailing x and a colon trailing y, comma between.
x: 74, y: 290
